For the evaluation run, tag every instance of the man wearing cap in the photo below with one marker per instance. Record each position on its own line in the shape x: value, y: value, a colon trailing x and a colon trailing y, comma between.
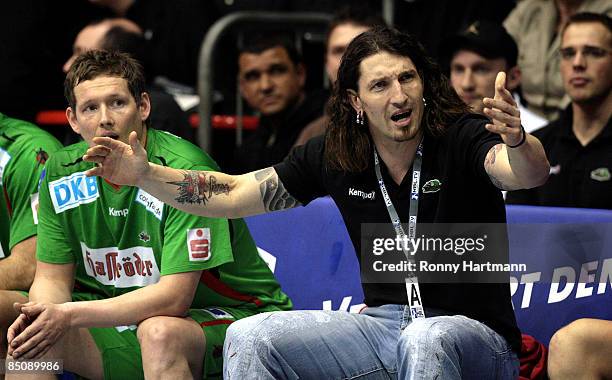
x: 475, y: 56
x: 579, y: 143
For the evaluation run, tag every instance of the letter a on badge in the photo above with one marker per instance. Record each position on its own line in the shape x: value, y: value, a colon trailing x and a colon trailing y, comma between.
x: 414, y: 299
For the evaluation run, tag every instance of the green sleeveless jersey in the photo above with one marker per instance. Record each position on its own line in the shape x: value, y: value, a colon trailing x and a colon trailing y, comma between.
x: 123, y: 238
x: 24, y: 148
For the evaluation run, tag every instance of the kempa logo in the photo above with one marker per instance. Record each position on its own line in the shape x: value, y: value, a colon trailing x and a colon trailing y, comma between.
x: 362, y: 194
x: 114, y: 212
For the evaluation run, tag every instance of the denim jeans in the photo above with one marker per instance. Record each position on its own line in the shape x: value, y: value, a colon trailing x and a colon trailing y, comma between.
x: 379, y: 343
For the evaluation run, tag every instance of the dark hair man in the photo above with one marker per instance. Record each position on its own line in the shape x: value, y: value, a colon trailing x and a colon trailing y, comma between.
x: 272, y: 76
x: 135, y: 260
x: 475, y: 56
x: 579, y: 143
x: 392, y: 108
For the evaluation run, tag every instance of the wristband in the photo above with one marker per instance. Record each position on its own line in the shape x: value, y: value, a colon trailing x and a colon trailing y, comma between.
x: 522, y: 139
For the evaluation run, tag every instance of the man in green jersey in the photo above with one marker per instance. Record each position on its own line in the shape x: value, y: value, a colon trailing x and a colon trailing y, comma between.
x: 152, y: 281
x: 24, y: 148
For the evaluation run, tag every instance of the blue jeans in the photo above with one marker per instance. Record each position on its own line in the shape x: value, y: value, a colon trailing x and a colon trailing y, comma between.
x: 379, y: 343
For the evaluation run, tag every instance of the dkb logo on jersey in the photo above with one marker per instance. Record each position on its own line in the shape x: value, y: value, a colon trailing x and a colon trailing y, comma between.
x: 121, y: 268
x: 73, y: 191
x: 198, y: 244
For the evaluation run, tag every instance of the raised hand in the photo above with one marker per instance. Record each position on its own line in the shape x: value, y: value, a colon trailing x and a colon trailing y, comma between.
x: 504, y: 112
x: 118, y: 162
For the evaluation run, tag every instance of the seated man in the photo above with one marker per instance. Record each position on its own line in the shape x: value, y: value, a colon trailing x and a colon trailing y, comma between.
x: 24, y: 149
x: 272, y: 76
x: 579, y: 143
x: 475, y: 56
x: 136, y: 261
x: 395, y: 124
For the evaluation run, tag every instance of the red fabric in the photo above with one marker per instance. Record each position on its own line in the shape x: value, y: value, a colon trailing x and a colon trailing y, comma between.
x: 532, y: 359
x: 217, y: 322
x: 218, y: 286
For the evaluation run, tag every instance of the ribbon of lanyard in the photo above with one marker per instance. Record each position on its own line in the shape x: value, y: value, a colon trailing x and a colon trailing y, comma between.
x: 413, y: 291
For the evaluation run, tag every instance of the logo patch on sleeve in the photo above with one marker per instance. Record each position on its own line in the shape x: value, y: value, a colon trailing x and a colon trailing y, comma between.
x: 73, y: 191
x: 198, y: 244
x: 152, y: 204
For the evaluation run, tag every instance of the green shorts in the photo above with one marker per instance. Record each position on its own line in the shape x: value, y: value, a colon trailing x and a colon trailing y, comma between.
x: 120, y: 350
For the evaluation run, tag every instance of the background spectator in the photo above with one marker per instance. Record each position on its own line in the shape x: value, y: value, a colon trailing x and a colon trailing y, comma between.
x: 579, y: 143
x: 272, y: 77
x: 475, y: 56
x: 535, y: 26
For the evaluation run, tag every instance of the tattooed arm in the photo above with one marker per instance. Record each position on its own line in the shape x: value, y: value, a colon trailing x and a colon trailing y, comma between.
x: 519, y: 163
x: 217, y: 194
x: 514, y: 169
x: 203, y: 193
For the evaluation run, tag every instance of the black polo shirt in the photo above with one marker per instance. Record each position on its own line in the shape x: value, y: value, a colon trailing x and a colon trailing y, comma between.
x: 466, y: 195
x: 580, y: 176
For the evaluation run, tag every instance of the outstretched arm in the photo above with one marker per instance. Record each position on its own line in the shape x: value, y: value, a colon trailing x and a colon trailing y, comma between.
x: 211, y: 194
x: 516, y: 164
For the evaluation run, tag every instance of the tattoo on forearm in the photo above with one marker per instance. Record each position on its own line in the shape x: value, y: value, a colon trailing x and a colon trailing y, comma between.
x: 198, y: 187
x: 273, y: 193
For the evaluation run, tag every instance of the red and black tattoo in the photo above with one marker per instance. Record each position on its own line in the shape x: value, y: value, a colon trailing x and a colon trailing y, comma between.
x: 198, y: 187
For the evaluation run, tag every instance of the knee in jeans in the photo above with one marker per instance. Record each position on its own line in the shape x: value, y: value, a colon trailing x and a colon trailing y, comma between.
x: 424, y: 332
x: 257, y: 334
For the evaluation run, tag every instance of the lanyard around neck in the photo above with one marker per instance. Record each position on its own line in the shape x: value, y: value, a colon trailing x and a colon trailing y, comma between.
x: 412, y: 283
x: 414, y: 194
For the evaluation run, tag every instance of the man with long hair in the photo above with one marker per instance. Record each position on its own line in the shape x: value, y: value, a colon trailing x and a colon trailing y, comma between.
x: 395, y: 124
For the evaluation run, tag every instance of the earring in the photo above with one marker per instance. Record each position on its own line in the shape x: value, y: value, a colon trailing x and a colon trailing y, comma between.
x: 359, y: 118
x: 424, y: 102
